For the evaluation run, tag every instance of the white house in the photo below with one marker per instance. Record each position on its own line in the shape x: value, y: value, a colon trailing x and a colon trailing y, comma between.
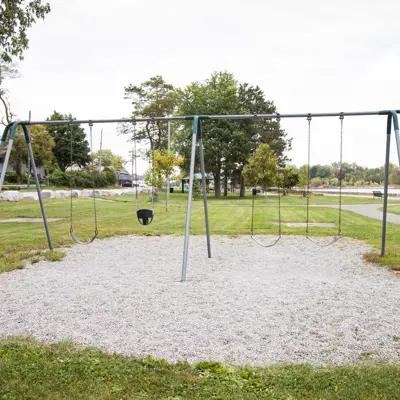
x: 24, y: 168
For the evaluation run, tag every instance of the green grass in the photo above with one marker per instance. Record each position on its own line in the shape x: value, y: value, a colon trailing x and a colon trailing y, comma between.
x: 393, y: 209
x: 228, y: 216
x: 31, y: 370
x: 53, y: 255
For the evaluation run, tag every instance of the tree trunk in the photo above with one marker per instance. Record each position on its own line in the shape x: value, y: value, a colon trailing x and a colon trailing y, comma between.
x: 225, y: 185
x: 18, y: 171
x: 242, y: 188
x: 217, y: 183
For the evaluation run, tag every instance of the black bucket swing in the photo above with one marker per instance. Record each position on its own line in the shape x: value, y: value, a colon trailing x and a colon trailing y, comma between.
x: 145, y: 216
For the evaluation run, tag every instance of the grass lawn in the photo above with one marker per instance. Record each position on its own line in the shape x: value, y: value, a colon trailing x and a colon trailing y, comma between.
x: 31, y: 370
x: 228, y: 216
x: 393, y: 209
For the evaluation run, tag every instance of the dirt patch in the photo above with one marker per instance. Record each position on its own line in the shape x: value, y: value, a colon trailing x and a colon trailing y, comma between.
x: 35, y: 220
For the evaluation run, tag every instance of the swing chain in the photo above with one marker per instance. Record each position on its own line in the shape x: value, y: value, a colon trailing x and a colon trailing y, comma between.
x: 135, y: 165
x: 153, y: 122
x: 94, y: 179
x: 72, y: 186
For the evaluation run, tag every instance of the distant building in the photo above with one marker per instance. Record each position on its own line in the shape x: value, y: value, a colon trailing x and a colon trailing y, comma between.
x: 24, y: 169
x: 125, y: 179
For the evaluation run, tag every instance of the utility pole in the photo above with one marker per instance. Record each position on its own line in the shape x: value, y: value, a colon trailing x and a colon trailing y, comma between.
x: 29, y: 160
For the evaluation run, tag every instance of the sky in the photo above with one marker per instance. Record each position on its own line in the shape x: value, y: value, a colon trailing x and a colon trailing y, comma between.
x: 307, y: 56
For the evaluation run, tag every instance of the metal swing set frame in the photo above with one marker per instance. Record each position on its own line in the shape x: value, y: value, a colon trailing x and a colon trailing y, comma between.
x: 197, y: 139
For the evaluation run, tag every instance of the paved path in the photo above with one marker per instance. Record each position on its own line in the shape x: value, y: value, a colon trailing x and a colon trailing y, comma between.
x: 369, y: 210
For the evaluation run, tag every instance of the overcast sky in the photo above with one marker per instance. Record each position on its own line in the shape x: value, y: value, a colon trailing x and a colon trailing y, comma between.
x: 307, y: 56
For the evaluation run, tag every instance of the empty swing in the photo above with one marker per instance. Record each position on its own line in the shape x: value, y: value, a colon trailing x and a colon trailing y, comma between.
x: 338, y: 236
x: 72, y: 186
x: 279, y: 217
x: 279, y: 222
x: 145, y: 216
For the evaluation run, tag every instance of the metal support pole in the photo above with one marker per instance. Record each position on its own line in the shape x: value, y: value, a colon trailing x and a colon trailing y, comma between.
x: 396, y: 132
x: 168, y: 177
x: 386, y: 184
x: 39, y: 191
x: 5, y: 164
x: 189, y: 201
x: 203, y: 181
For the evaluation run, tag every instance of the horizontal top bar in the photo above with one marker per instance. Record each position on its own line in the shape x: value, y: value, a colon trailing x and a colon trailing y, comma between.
x: 185, y: 118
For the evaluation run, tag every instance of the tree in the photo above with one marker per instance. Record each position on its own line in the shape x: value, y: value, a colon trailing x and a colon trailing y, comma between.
x: 62, y: 138
x: 17, y: 157
x: 153, y: 178
x: 16, y: 17
x: 108, y: 159
x: 42, y: 147
x: 165, y: 162
x: 229, y: 143
x: 152, y: 98
x: 222, y: 138
x: 7, y: 71
x: 303, y: 176
x: 252, y: 101
x: 394, y: 178
x: 261, y: 168
x: 289, y: 177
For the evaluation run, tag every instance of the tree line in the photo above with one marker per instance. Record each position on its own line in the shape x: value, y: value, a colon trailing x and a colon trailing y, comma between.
x: 51, y: 146
x: 352, y: 175
x: 228, y: 144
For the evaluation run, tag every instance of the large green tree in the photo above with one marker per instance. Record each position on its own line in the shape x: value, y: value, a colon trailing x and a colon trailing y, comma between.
x: 152, y: 98
x: 42, y: 146
x: 62, y: 138
x: 108, y: 159
x: 258, y: 131
x: 223, y: 139
x: 16, y: 17
x: 261, y: 169
x: 229, y: 143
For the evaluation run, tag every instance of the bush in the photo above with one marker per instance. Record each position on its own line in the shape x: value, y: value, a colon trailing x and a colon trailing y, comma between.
x: 109, y: 177
x: 83, y: 179
x: 196, y: 189
x: 11, y: 188
x: 59, y: 178
x: 11, y: 177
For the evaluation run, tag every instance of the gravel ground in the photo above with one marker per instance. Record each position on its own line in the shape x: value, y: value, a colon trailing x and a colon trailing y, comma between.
x: 294, y: 302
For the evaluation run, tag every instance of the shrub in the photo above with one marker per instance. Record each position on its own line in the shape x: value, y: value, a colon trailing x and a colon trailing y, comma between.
x: 11, y: 188
x: 83, y: 179
x: 196, y: 189
x: 11, y: 177
x: 108, y: 177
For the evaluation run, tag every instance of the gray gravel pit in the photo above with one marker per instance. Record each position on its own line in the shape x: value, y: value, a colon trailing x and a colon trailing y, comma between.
x: 295, y: 302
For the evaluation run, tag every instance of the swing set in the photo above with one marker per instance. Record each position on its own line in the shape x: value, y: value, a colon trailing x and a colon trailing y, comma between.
x: 146, y: 216
x: 308, y: 195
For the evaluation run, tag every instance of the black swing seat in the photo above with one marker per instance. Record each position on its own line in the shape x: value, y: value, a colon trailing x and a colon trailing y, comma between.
x: 144, y: 216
